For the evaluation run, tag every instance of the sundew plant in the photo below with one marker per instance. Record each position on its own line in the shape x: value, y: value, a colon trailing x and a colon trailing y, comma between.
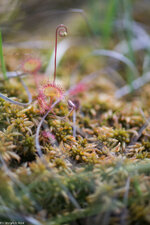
x: 74, y: 118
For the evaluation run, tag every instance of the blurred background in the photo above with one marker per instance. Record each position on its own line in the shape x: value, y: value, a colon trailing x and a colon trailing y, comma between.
x: 19, y: 17
x: 25, y: 17
x: 32, y: 23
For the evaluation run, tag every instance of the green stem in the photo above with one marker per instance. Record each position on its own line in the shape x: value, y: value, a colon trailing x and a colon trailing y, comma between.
x: 2, y: 58
x: 127, y: 7
x: 109, y: 21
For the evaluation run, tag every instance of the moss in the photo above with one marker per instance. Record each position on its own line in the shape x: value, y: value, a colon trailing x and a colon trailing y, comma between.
x: 103, y: 171
x: 121, y: 135
x: 60, y: 128
x: 146, y: 145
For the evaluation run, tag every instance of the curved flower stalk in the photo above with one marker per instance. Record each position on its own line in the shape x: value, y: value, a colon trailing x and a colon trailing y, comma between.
x: 80, y: 12
x: 64, y: 45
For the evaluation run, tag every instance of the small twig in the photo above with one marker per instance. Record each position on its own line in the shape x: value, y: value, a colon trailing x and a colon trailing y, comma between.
x: 14, y: 74
x: 146, y: 124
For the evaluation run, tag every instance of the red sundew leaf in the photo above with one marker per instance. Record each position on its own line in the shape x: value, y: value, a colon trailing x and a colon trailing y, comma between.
x: 79, y: 88
x: 47, y: 93
x: 31, y: 65
x: 52, y: 90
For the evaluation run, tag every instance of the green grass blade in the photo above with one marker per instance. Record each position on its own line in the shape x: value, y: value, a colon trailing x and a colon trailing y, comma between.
x: 109, y: 21
x: 2, y: 58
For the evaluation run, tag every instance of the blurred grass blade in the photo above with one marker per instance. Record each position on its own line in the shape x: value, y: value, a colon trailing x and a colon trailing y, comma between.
x: 136, y: 84
x: 140, y: 39
x: 109, y: 20
x: 128, y: 21
x: 2, y: 58
x: 62, y: 47
x: 118, y: 56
